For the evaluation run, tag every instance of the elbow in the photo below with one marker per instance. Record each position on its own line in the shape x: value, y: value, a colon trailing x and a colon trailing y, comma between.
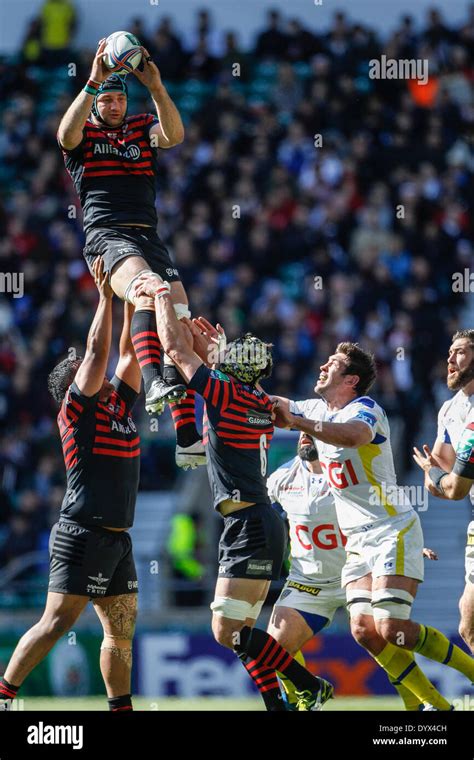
x: 456, y: 493
x: 178, y: 138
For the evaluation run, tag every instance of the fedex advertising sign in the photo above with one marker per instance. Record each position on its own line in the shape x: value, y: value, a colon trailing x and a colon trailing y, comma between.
x: 194, y: 665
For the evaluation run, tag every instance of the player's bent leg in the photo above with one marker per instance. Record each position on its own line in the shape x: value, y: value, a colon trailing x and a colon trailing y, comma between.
x: 124, y: 280
x: 403, y: 673
x: 392, y: 604
x: 289, y: 628
x: 466, y: 608
x: 117, y: 615
x: 60, y: 614
x: 236, y: 602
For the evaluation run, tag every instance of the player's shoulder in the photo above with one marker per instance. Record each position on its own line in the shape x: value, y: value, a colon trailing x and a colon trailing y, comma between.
x: 368, y: 405
x: 308, y: 407
x: 450, y: 404
x: 286, y: 467
x: 277, y: 477
x: 140, y: 119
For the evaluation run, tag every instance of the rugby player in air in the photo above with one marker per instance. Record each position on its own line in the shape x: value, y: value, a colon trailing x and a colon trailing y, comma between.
x: 113, y: 160
x: 313, y: 591
x: 90, y: 548
x: 384, y: 539
x: 238, y: 429
x: 453, y: 453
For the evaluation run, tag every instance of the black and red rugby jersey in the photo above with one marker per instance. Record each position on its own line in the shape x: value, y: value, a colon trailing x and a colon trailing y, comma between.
x: 114, y: 172
x: 237, y: 432
x: 101, y: 449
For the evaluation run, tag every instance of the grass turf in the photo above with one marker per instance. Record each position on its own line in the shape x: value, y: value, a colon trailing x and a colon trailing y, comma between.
x: 198, y: 703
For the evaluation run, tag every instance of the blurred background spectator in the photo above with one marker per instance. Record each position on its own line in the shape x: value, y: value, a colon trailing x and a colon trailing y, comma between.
x: 308, y: 203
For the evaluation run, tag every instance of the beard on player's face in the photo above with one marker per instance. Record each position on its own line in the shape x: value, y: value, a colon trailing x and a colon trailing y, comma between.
x: 307, y: 450
x: 458, y: 378
x: 112, y: 112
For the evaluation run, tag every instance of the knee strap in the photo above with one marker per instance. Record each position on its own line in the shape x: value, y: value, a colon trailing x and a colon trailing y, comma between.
x: 392, y: 603
x: 131, y: 287
x: 235, y: 609
x: 359, y: 602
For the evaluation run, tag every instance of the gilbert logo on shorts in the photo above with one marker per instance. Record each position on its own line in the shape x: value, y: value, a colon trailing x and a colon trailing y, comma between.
x: 259, y: 566
x: 96, y: 587
x: 44, y: 734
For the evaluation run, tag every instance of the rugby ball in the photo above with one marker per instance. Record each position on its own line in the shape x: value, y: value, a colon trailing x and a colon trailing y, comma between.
x: 122, y: 52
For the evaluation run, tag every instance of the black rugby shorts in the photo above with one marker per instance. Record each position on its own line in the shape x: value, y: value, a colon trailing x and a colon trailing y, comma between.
x: 117, y: 243
x: 252, y: 544
x: 89, y: 561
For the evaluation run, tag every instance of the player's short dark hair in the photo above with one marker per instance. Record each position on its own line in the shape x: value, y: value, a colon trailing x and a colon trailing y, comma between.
x: 62, y: 376
x: 469, y: 334
x: 361, y: 363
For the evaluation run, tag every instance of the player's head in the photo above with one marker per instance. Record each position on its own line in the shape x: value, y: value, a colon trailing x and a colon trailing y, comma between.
x: 350, y: 370
x: 110, y: 103
x: 307, y: 449
x: 63, y: 375
x: 461, y: 360
x: 248, y: 359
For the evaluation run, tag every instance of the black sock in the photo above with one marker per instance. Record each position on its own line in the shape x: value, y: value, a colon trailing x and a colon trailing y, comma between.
x: 120, y: 704
x: 266, y: 652
x: 147, y: 345
x: 184, y: 413
x: 7, y: 690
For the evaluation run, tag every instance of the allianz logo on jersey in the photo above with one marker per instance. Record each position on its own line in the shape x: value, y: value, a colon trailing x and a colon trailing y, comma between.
x: 125, y: 429
x: 132, y: 151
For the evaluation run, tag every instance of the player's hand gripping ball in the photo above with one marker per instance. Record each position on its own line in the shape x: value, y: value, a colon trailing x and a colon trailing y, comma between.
x: 122, y: 52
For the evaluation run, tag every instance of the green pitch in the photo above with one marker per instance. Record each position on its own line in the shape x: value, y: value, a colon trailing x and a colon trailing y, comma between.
x: 199, y: 703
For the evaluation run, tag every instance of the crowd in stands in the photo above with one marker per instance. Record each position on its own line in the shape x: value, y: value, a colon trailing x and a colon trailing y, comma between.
x: 309, y: 203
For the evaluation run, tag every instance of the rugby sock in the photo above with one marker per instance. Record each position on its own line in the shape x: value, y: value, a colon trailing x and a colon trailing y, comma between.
x: 266, y: 682
x: 147, y: 345
x: 267, y: 653
x: 184, y: 413
x: 7, y: 690
x: 401, y: 666
x: 409, y: 699
x: 120, y: 704
x: 434, y: 645
x: 286, y: 684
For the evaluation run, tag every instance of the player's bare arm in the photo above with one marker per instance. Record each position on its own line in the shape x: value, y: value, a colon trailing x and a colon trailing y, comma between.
x: 90, y: 375
x: 446, y: 485
x: 209, y: 341
x: 128, y: 368
x: 175, y: 337
x: 73, y: 121
x: 170, y: 131
x: 350, y: 434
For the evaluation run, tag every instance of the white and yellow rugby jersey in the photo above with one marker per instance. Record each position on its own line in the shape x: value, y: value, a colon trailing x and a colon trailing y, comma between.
x: 317, y: 544
x: 452, y: 418
x: 362, y: 480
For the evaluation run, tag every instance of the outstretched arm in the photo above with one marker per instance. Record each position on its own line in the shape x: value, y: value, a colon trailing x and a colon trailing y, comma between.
x: 72, y: 124
x: 128, y: 368
x: 91, y: 373
x: 350, y: 434
x: 170, y: 131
